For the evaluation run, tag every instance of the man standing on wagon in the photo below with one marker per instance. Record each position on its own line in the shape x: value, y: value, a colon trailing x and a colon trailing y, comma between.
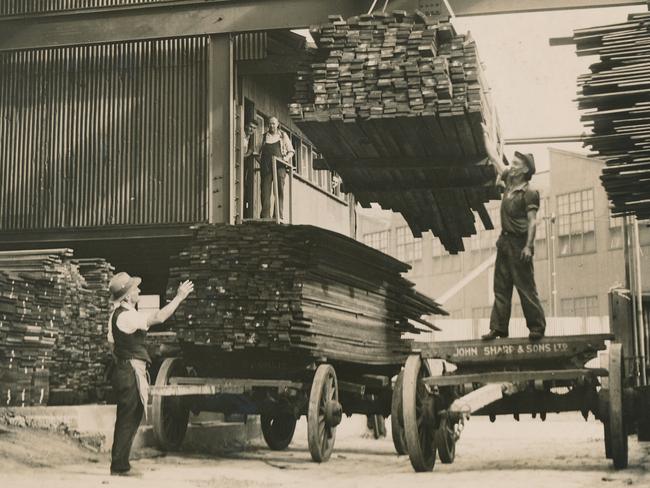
x: 515, y: 248
x: 127, y: 332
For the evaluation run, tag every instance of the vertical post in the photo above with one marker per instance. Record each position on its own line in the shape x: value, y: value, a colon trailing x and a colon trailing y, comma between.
x: 549, y: 265
x: 639, y: 303
x: 630, y: 284
x: 552, y: 262
x: 276, y: 201
x: 220, y: 133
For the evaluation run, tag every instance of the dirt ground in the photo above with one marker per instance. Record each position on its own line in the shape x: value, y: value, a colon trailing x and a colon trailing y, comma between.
x: 564, y: 451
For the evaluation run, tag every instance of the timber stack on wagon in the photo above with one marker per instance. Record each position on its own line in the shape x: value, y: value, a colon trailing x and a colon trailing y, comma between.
x: 396, y: 105
x: 296, y: 290
x: 53, y: 325
x: 615, y: 98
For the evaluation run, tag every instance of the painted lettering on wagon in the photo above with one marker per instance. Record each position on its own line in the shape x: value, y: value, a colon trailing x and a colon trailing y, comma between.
x: 510, y: 349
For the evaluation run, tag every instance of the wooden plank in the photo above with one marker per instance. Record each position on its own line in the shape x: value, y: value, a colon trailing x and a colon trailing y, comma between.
x: 514, y: 350
x: 514, y: 376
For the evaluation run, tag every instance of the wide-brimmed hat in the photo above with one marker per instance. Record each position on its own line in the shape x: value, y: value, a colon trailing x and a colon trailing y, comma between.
x: 121, y: 284
x: 529, y: 159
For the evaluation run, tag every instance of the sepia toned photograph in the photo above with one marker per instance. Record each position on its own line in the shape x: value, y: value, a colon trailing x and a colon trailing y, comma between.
x: 324, y: 243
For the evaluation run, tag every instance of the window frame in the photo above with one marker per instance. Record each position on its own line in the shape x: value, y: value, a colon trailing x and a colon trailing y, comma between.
x: 571, y: 214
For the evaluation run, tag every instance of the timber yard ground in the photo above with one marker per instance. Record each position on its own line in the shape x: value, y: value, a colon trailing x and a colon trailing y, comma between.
x: 564, y: 451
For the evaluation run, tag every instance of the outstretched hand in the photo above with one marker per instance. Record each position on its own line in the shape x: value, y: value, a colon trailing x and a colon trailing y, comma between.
x: 490, y: 145
x: 185, y: 288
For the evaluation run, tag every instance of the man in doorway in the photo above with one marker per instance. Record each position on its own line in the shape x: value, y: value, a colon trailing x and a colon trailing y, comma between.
x: 275, y: 144
x: 127, y: 332
x: 248, y: 148
x: 515, y: 249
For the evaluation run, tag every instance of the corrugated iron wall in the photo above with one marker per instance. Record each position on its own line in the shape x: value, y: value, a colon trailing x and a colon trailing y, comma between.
x: 22, y: 7
x: 104, y: 135
x: 250, y: 45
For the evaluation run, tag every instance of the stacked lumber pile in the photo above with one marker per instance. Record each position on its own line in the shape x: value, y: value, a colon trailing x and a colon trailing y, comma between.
x: 97, y: 273
x: 615, y: 96
x: 262, y: 286
x: 53, y: 322
x: 27, y: 339
x: 396, y: 107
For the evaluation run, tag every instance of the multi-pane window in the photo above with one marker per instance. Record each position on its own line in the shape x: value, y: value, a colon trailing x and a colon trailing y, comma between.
x: 408, y: 247
x: 579, y: 306
x: 305, y: 160
x: 615, y: 232
x: 576, y: 222
x: 443, y: 262
x: 378, y: 240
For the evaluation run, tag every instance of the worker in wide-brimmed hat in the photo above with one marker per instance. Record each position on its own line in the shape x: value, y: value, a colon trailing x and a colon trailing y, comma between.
x: 127, y: 332
x: 515, y: 247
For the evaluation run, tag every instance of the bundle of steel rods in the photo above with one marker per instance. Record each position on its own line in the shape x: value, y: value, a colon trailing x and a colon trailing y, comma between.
x: 398, y: 105
x: 615, y: 98
x: 262, y: 286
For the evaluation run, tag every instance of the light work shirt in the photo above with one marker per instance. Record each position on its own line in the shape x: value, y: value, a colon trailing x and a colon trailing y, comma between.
x: 128, y: 322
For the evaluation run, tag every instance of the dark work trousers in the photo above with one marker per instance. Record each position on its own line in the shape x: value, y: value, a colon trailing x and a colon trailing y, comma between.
x: 249, y: 186
x: 510, y: 270
x: 267, y: 190
x: 129, y: 414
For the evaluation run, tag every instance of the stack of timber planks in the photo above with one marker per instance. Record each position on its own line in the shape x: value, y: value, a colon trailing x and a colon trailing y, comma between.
x: 615, y: 98
x: 268, y: 287
x: 53, y: 323
x: 396, y: 106
x: 97, y: 273
x: 27, y: 339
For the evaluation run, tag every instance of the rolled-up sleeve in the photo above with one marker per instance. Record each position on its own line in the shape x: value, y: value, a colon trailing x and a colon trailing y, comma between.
x: 532, y: 200
x: 288, y: 145
x: 132, y: 320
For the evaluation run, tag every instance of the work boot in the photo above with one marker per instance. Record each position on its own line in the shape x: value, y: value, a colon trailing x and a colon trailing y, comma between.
x: 130, y: 473
x: 494, y: 334
x: 535, y: 335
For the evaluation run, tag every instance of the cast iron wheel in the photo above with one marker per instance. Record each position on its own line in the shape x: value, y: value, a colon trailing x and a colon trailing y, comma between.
x: 324, y: 413
x: 396, y: 417
x: 419, y: 416
x: 278, y: 430
x: 170, y: 413
x: 445, y: 438
x: 616, y: 420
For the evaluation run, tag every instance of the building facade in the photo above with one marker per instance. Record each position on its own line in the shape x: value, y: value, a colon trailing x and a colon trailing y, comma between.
x: 576, y: 238
x: 116, y: 149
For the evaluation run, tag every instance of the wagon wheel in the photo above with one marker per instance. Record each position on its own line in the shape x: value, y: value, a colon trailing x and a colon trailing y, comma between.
x: 445, y: 438
x: 616, y: 421
x: 278, y: 430
x: 396, y: 417
x: 170, y: 413
x: 419, y: 416
x: 324, y: 413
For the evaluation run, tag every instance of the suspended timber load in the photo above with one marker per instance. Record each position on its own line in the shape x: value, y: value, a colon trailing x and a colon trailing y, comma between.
x: 396, y: 105
x: 53, y: 323
x: 615, y: 98
x: 296, y: 290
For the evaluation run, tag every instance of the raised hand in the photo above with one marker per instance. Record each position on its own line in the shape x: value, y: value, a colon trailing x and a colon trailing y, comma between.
x: 185, y: 288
